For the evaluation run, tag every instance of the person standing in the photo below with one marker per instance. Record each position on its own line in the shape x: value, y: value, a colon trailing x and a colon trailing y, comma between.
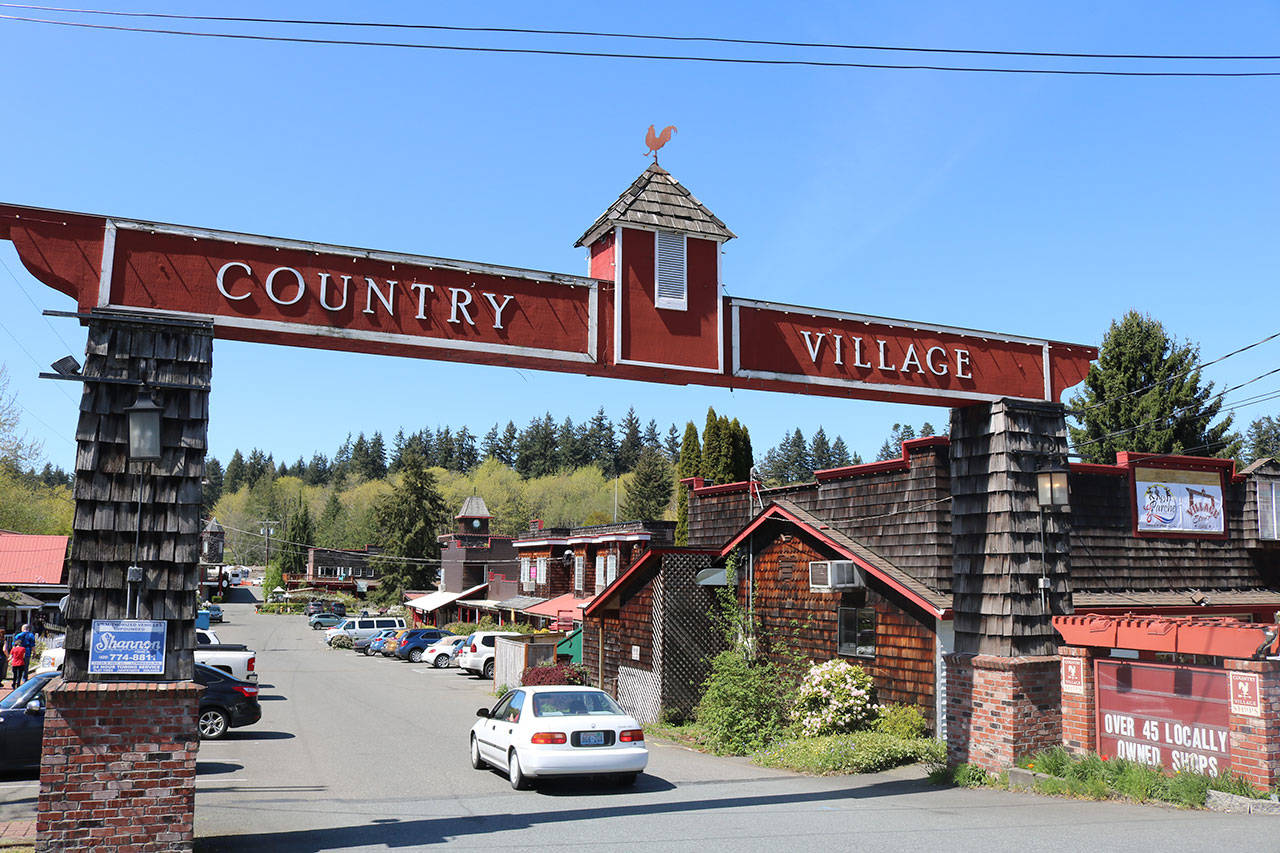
x: 18, y: 661
x: 27, y: 641
x: 5, y: 642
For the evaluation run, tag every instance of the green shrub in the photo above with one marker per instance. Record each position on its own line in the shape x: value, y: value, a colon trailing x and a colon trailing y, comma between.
x: 1230, y: 783
x: 971, y: 776
x: 461, y: 629
x: 342, y: 641
x: 568, y: 673
x: 741, y: 709
x: 834, y: 697
x: 901, y: 721
x: 860, y: 752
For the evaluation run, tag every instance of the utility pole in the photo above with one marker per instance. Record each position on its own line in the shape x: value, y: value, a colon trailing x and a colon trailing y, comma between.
x: 268, y: 529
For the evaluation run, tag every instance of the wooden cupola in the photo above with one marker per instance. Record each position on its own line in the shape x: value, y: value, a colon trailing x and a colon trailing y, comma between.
x: 474, y: 517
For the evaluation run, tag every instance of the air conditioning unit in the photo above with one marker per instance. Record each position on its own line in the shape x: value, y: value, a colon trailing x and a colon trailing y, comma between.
x: 830, y: 575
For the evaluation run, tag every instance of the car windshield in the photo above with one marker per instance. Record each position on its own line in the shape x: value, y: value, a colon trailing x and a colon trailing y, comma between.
x: 574, y: 704
x: 25, y: 693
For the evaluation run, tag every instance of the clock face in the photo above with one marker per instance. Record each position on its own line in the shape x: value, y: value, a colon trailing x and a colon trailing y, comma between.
x: 475, y: 522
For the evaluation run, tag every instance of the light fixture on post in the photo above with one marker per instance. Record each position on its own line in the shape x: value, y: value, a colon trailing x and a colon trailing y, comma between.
x: 144, y: 446
x: 144, y: 428
x: 66, y: 366
x: 1051, y: 493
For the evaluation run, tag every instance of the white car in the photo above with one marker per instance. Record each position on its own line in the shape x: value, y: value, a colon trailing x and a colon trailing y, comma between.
x: 443, y: 652
x: 475, y: 655
x: 537, y: 732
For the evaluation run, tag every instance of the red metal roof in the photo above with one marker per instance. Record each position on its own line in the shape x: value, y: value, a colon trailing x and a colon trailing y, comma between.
x: 29, y: 558
x: 552, y: 606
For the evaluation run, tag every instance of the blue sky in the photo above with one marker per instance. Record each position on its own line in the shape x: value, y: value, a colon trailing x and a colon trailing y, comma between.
x: 1044, y: 206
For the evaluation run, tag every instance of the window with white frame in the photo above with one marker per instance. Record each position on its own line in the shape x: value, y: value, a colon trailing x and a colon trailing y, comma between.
x: 1268, y: 509
x: 579, y: 572
x: 599, y: 572
x: 526, y: 580
x: 542, y: 570
x: 857, y: 632
x: 611, y: 572
x: 671, y: 285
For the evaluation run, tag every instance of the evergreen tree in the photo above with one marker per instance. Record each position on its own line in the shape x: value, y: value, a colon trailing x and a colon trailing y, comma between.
x: 537, y: 456
x: 236, y: 474
x: 713, y: 452
x: 299, y: 533
x: 602, y: 445
x: 397, y: 448
x: 672, y: 444
x: 377, y: 457
x: 690, y: 465
x: 465, y: 456
x: 630, y: 442
x: 409, y: 519
x: 741, y: 458
x: 926, y: 430
x: 317, y: 470
x: 651, y: 437
x: 649, y: 489
x: 569, y: 449
x: 444, y: 447
x: 510, y: 444
x: 255, y: 467
x: 1144, y: 394
x: 1262, y: 439
x: 341, y: 466
x: 331, y: 531
x: 491, y: 445
x: 820, y: 451
x: 840, y: 456
x: 892, y: 447
x: 213, y: 482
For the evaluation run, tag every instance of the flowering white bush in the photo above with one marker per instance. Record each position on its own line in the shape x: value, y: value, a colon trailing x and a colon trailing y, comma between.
x: 834, y: 697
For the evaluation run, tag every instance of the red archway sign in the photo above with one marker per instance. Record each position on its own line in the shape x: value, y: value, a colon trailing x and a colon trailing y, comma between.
x: 613, y: 323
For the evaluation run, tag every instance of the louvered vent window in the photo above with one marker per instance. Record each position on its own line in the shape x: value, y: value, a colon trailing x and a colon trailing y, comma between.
x: 1268, y: 511
x: 579, y: 572
x: 672, y: 284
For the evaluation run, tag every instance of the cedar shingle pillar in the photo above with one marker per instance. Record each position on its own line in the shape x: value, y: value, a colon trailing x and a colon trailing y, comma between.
x: 1003, y: 697
x: 109, y: 534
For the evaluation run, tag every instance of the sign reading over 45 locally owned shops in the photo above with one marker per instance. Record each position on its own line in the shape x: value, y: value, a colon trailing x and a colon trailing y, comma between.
x: 617, y: 322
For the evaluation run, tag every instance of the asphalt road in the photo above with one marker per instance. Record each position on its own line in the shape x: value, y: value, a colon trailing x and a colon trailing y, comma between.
x: 356, y: 754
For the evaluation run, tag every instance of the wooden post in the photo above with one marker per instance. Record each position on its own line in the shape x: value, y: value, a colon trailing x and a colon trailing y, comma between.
x: 118, y: 763
x: 110, y: 520
x: 1005, y: 642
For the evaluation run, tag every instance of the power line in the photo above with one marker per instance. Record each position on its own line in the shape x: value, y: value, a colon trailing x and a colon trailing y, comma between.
x: 1189, y: 370
x: 643, y: 36
x: 807, y: 63
x: 34, y: 305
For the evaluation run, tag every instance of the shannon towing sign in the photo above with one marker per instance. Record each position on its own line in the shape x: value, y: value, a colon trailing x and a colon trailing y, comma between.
x: 613, y: 324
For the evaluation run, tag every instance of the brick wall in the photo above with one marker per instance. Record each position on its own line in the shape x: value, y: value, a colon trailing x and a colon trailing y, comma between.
x: 118, y: 771
x: 999, y: 708
x: 1079, y: 710
x: 1255, y: 741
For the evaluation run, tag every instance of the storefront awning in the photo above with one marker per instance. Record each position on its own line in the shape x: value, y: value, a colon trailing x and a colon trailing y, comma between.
x: 553, y: 607
x: 520, y: 602
x: 433, y: 601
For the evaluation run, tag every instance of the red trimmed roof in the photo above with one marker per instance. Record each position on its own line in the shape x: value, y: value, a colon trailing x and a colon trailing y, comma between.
x: 899, y: 464
x: 930, y: 600
x: 30, y: 558
x: 552, y: 606
x: 646, y: 558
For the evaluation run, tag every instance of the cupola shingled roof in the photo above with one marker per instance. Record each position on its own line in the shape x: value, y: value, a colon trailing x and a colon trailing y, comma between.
x: 656, y: 200
x: 473, y: 507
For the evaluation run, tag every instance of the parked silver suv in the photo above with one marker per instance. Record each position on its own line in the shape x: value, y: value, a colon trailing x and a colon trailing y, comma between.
x: 476, y: 653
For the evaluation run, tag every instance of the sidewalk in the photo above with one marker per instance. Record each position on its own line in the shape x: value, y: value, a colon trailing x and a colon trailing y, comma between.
x: 17, y: 833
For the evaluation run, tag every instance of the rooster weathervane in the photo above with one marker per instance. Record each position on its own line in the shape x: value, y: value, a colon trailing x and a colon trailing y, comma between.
x: 657, y: 140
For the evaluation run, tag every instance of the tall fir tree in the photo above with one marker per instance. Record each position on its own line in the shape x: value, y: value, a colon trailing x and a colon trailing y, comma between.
x: 1144, y: 394
x: 629, y: 443
x: 213, y: 482
x: 672, y: 445
x: 840, y: 455
x: 892, y: 447
x: 713, y: 450
x: 1262, y: 439
x: 820, y: 451
x: 410, y: 518
x: 236, y: 474
x: 649, y: 489
x: 510, y: 444
x: 491, y: 444
x: 603, y: 445
x: 465, y: 455
x: 651, y: 437
x: 299, y: 534
x: 690, y: 465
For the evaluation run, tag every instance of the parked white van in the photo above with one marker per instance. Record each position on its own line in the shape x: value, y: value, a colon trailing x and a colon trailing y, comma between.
x: 359, y: 627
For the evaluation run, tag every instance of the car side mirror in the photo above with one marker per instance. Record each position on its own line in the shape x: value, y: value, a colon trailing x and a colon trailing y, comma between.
x: 483, y: 712
x: 35, y: 706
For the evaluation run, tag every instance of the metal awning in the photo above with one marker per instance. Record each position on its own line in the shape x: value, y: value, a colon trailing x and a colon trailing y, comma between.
x: 520, y: 602
x: 14, y: 600
x: 433, y: 601
x: 712, y: 576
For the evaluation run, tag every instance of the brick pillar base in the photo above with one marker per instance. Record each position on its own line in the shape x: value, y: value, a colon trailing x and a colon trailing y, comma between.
x: 999, y: 708
x: 1079, y: 701
x: 1255, y: 740
x: 118, y: 771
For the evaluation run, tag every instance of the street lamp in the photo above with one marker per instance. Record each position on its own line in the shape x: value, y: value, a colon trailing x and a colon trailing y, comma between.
x: 144, y: 428
x: 1051, y: 493
x: 144, y: 446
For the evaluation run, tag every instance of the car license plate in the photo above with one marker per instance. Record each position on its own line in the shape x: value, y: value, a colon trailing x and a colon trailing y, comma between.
x: 592, y: 739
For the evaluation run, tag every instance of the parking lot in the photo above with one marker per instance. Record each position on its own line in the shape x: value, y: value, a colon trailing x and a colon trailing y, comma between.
x: 357, y: 753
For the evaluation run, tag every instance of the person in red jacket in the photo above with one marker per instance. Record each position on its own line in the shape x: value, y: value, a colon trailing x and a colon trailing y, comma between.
x: 18, y: 661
